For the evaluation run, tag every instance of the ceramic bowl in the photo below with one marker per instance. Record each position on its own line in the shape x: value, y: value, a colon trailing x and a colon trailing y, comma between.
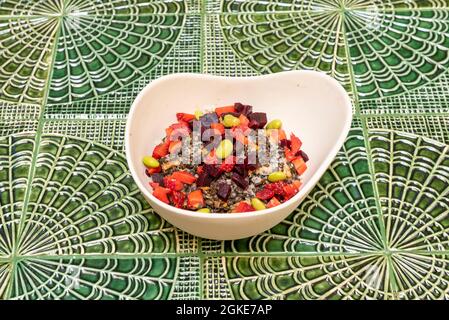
x: 311, y: 104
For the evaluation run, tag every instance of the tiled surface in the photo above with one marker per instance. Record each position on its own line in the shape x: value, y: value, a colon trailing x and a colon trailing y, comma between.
x: 73, y: 224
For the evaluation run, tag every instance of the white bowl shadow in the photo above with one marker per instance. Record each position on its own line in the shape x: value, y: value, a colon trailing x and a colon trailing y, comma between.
x: 311, y: 104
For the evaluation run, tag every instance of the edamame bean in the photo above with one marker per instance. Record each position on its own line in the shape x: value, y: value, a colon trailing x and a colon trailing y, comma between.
x: 275, y: 124
x: 150, y: 162
x: 257, y: 204
x: 224, y: 149
x: 204, y: 210
x: 230, y: 121
x: 277, y: 176
x: 198, y: 113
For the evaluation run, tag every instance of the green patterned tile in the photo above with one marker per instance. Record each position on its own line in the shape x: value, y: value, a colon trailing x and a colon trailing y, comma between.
x: 184, y: 57
x: 309, y: 277
x: 412, y: 175
x: 100, y: 54
x: 393, y: 52
x: 73, y: 279
x: 15, y: 161
x: 274, y: 42
x: 339, y: 215
x: 84, y: 201
x: 25, y: 57
x: 421, y: 277
x: 4, y: 277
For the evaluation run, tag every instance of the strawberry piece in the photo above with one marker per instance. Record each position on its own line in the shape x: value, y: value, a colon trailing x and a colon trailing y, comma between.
x: 178, y: 198
x: 178, y: 130
x: 219, y: 127
x: 154, y: 185
x: 161, y: 194
x: 173, y: 184
x: 174, y: 146
x: 265, y: 194
x: 161, y: 150
x: 219, y: 111
x: 273, y: 202
x: 243, y: 207
x: 211, y: 158
x: 297, y: 183
x: 184, y: 116
x: 296, y: 143
x: 184, y: 177
x: 199, y: 169
x: 195, y: 199
x: 300, y: 165
x: 243, y: 120
x: 282, y: 135
x: 151, y: 171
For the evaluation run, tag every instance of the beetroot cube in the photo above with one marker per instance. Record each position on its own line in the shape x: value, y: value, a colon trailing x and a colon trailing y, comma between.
x: 224, y: 190
x: 257, y: 120
x: 242, y: 182
x: 204, y: 179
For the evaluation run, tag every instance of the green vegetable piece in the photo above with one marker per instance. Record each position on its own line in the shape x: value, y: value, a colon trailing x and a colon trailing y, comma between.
x: 257, y: 204
x: 230, y: 121
x: 204, y: 210
x: 150, y: 162
x: 275, y: 124
x: 224, y: 149
x: 277, y: 176
x: 198, y: 114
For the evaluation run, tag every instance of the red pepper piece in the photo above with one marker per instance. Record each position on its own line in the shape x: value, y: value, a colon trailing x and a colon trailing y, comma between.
x: 184, y: 177
x: 243, y: 207
x: 195, y: 199
x: 150, y: 171
x: 296, y: 143
x: 219, y: 111
x: 184, y: 116
x: 161, y: 150
x: 300, y: 165
x: 265, y: 194
x: 273, y: 202
x: 161, y: 194
x: 219, y: 127
x: 174, y: 146
x: 289, y: 155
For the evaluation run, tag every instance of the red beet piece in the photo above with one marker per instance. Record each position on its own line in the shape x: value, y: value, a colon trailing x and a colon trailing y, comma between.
x: 240, y: 168
x: 213, y: 170
x: 158, y: 178
x: 303, y: 155
x: 224, y: 190
x: 243, y: 108
x: 242, y: 182
x: 257, y: 120
x: 286, y: 143
x: 204, y: 179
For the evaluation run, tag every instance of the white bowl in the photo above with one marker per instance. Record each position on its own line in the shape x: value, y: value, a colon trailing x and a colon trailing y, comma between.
x: 311, y: 104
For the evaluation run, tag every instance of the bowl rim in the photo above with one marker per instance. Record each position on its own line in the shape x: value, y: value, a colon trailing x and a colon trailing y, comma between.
x: 305, y: 189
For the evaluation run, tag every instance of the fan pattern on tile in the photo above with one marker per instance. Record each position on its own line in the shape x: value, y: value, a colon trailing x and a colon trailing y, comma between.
x: 412, y: 175
x: 339, y: 215
x: 391, y: 51
x: 83, y: 200
x: 331, y: 277
x: 69, y: 279
x: 25, y: 55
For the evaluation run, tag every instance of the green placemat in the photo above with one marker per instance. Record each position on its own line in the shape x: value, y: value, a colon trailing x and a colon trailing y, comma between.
x: 73, y: 224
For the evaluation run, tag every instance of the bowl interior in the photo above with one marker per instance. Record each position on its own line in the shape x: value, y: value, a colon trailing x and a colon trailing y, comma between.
x: 312, y: 105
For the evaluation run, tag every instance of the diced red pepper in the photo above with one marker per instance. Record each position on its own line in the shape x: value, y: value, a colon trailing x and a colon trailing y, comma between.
x: 300, y: 165
x: 161, y: 194
x: 243, y: 207
x: 296, y: 143
x: 289, y: 155
x: 174, y: 146
x: 219, y: 111
x: 184, y: 177
x: 265, y: 194
x: 290, y: 190
x: 273, y: 202
x: 297, y: 183
x: 161, y: 150
x: 282, y: 135
x: 150, y: 171
x: 219, y: 127
x: 154, y: 185
x: 195, y: 199
x: 173, y: 184
x: 184, y: 116
x: 243, y: 120
x: 178, y: 198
